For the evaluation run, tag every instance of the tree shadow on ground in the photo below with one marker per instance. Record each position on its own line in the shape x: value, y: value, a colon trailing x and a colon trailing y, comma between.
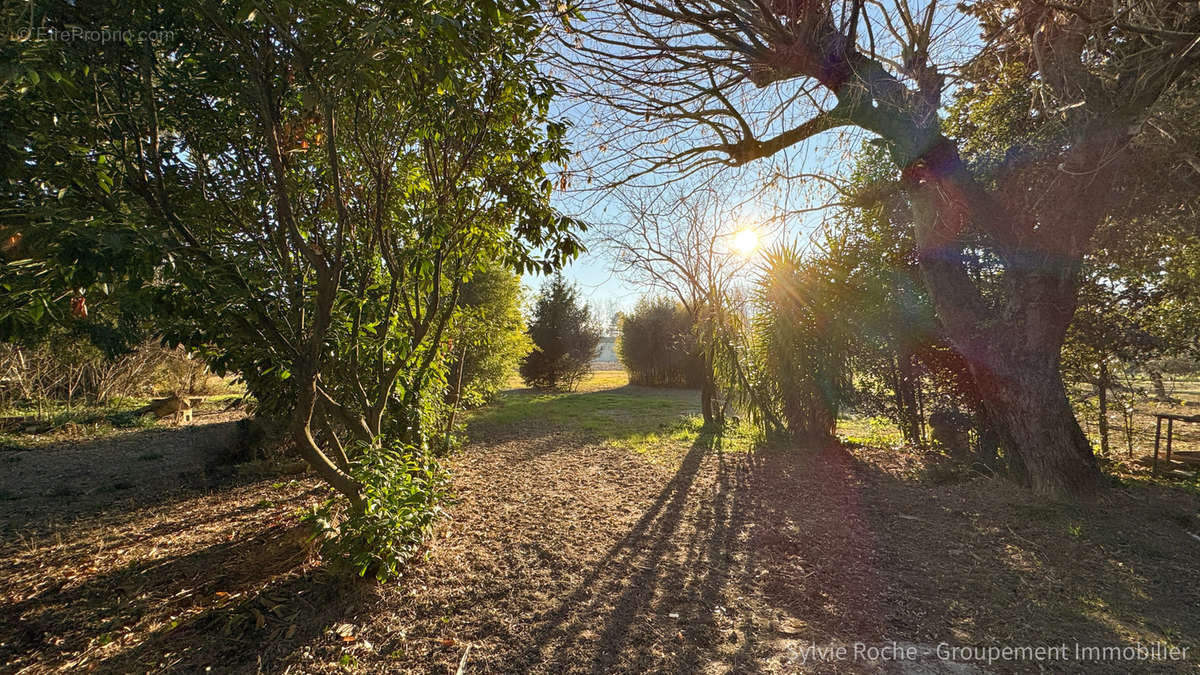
x: 257, y: 634
x: 176, y: 598
x: 727, y: 561
x: 743, y: 560
x: 733, y: 547
x: 978, y: 561
x: 641, y: 580
x: 115, y: 478
x: 238, y: 605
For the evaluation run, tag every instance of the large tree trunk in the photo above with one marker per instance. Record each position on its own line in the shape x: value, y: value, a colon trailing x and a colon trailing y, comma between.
x: 1016, y: 371
x: 1027, y: 404
x: 1011, y: 343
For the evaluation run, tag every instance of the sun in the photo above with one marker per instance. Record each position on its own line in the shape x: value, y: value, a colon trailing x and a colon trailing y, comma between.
x: 745, y: 241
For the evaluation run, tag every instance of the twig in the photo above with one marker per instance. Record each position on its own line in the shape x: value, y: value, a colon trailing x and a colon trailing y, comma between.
x: 462, y: 663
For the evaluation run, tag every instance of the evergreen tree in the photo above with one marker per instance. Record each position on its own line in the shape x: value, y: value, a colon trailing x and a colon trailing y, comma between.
x: 564, y: 336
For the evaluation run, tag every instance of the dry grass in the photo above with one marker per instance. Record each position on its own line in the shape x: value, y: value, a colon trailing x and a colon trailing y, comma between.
x: 572, y: 548
x: 1186, y: 401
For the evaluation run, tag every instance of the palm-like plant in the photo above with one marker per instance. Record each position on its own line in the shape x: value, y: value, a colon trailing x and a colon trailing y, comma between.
x: 800, y: 342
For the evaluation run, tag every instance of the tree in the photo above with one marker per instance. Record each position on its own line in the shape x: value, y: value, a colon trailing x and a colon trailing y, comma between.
x: 489, y: 337
x: 905, y: 365
x: 683, y: 72
x: 1105, y: 337
x: 317, y: 180
x: 887, y: 307
x: 565, y: 339
x: 1133, y: 273
x: 678, y: 242
x: 1138, y: 306
x: 657, y: 345
x: 801, y: 339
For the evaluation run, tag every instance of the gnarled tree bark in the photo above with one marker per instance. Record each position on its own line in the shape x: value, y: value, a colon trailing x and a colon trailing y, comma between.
x: 1011, y: 350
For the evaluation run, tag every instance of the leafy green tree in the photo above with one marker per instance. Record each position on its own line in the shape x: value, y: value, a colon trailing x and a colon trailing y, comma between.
x: 657, y: 345
x: 489, y: 336
x: 1107, y: 336
x: 1136, y: 300
x: 313, y: 183
x: 1139, y: 304
x: 565, y: 339
x: 888, y: 309
x: 1146, y: 263
x: 905, y: 365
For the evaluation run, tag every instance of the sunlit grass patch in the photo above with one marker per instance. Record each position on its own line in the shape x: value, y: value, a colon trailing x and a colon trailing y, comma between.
x: 874, y: 432
x: 598, y: 380
x: 673, y: 440
x: 669, y: 440
x: 30, y: 426
x: 57, y: 413
x: 660, y: 424
x: 604, y: 379
x: 604, y: 407
x: 601, y: 413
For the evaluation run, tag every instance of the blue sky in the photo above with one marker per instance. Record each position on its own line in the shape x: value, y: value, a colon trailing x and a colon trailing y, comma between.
x: 769, y: 110
x: 606, y: 291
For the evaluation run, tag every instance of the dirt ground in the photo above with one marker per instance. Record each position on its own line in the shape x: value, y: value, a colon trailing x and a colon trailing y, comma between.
x: 568, y: 552
x: 72, y: 478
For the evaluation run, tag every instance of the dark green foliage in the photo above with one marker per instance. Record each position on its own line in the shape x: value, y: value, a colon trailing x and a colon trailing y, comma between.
x: 904, y: 363
x: 801, y: 341
x: 565, y: 339
x: 657, y: 345
x: 295, y: 189
x: 403, y: 490
x: 891, y: 314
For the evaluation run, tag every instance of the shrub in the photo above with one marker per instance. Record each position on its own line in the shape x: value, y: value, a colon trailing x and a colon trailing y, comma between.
x: 565, y: 339
x: 657, y: 345
x: 403, y: 489
x: 801, y: 343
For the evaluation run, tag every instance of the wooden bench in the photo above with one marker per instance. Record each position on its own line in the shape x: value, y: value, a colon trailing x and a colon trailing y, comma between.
x: 1185, y: 457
